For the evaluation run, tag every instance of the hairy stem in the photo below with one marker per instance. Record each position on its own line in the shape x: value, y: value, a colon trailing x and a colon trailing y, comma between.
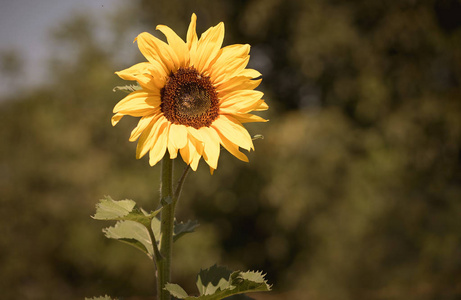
x: 166, y: 227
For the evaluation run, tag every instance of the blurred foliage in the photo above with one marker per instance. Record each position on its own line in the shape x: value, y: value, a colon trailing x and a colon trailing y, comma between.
x: 353, y: 194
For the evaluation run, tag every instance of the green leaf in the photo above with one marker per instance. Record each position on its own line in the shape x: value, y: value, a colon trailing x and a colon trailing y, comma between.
x: 209, y: 280
x: 239, y: 297
x: 217, y: 283
x: 101, y: 298
x: 109, y: 209
x: 127, y: 88
x: 155, y: 226
x: 133, y: 233
x: 181, y: 229
x: 176, y: 291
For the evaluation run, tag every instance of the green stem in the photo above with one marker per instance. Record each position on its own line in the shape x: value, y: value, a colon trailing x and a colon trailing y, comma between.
x: 166, y: 227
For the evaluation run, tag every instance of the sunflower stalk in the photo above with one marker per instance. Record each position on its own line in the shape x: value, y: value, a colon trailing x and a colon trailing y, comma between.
x: 167, y: 228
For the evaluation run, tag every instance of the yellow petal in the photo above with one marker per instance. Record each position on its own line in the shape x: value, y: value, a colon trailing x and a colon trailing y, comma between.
x: 192, y: 39
x: 233, y: 131
x: 179, y: 46
x: 232, y: 69
x: 248, y: 118
x: 178, y: 135
x: 250, y: 73
x: 149, y: 76
x: 239, y: 96
x: 195, y: 153
x: 177, y: 139
x: 185, y: 153
x: 195, y: 133
x: 149, y: 136
x: 211, y: 146
x: 232, y: 148
x: 235, y: 84
x: 225, y: 60
x: 240, y: 108
x: 158, y: 150
x: 241, y: 101
x: 116, y: 118
x: 172, y: 149
x: 191, y: 31
x: 262, y: 106
x: 194, y: 162
x: 142, y: 125
x: 230, y: 53
x: 208, y: 47
x: 157, y: 51
x: 143, y: 144
x: 138, y: 104
x: 192, y: 152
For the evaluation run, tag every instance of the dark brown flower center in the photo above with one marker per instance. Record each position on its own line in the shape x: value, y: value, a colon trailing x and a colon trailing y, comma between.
x: 190, y: 99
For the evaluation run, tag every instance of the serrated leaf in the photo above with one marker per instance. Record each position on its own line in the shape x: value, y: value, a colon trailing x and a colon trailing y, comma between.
x: 133, y: 233
x: 209, y: 280
x: 101, y: 298
x: 176, y: 290
x: 217, y: 283
x: 181, y: 229
x: 252, y: 276
x: 109, y: 209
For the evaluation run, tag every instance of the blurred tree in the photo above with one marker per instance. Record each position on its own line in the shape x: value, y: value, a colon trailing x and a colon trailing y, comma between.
x: 11, y: 70
x: 354, y: 193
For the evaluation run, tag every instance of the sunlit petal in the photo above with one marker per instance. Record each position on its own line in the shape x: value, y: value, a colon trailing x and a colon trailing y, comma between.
x: 138, y: 104
x: 178, y: 45
x: 149, y: 76
x: 208, y: 47
x: 158, y: 150
x: 233, y: 131
x: 157, y: 51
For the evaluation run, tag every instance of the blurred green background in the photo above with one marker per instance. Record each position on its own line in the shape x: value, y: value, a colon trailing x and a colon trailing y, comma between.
x: 355, y: 192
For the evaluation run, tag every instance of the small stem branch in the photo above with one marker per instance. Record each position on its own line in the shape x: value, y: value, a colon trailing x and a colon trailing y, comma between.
x: 177, y: 192
x: 166, y: 228
x: 157, y: 255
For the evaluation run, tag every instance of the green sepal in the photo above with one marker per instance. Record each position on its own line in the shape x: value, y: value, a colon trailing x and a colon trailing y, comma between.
x: 127, y: 88
x: 217, y: 283
x: 181, y: 228
x: 258, y: 137
x: 132, y: 233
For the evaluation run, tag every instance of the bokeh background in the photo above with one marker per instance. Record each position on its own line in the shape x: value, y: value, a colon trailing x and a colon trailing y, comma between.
x: 355, y: 192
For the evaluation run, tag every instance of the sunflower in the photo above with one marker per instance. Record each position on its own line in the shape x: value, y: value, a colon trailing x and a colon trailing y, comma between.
x: 194, y: 97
